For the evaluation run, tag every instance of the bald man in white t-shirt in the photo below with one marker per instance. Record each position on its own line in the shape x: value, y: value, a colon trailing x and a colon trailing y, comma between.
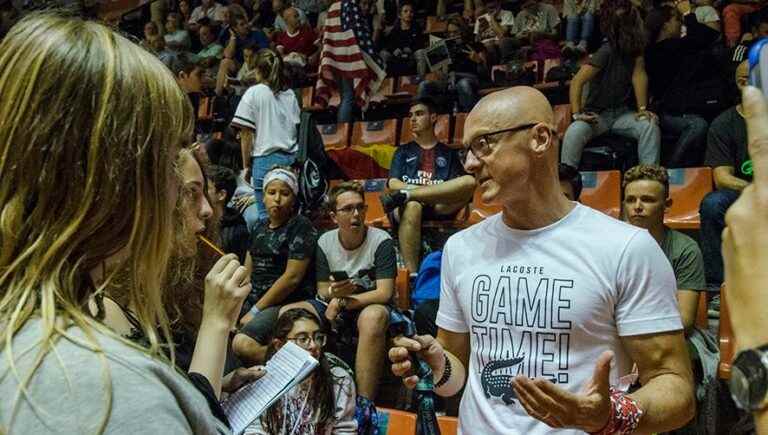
x: 546, y: 306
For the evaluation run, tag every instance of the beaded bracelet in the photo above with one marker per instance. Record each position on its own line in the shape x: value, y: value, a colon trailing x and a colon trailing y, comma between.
x: 624, y: 417
x: 446, y: 373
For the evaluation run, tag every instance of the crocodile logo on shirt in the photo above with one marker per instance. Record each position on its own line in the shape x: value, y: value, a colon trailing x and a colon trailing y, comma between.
x: 499, y: 385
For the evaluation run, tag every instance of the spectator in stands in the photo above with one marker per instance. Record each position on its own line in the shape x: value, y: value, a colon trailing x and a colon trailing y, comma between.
x: 157, y: 44
x: 189, y: 76
x: 758, y: 29
x: 282, y: 248
x: 211, y: 52
x: 373, y: 16
x: 618, y: 301
x: 278, y: 7
x: 579, y: 25
x: 728, y: 156
x: 495, y: 30
x: 646, y: 199
x: 151, y: 30
x: 613, y: 72
x: 311, y: 9
x: 468, y: 63
x: 427, y: 183
x: 185, y: 11
x: 706, y: 14
x: 732, y: 15
x: 570, y: 182
x: 672, y: 63
x: 362, y: 301
x: 116, y: 140
x: 233, y: 230
x: 297, y: 45
x: 322, y: 404
x: 227, y: 153
x: 176, y: 36
x: 239, y: 38
x: 352, y: 67
x: 403, y: 45
x: 209, y: 9
x: 537, y: 25
x: 267, y: 117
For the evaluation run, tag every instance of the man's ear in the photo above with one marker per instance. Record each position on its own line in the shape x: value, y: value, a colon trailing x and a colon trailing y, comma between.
x: 332, y: 214
x: 667, y: 204
x: 542, y: 139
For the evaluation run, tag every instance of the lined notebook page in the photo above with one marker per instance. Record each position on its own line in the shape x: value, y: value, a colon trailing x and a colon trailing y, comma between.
x: 288, y: 367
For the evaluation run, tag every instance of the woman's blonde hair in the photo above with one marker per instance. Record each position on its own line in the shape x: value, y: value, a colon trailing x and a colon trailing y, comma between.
x: 270, y: 67
x: 90, y: 125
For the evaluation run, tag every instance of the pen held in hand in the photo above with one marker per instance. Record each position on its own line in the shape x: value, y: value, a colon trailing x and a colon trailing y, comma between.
x: 210, y: 244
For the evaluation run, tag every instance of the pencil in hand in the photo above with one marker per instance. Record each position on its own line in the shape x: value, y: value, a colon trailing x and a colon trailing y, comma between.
x: 210, y: 245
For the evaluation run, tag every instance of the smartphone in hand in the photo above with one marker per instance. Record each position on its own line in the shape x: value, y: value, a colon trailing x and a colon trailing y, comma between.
x: 340, y: 275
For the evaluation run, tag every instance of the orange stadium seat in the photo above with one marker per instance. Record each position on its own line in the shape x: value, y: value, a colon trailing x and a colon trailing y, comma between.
x: 448, y: 425
x: 375, y: 132
x: 436, y: 25
x: 602, y: 191
x: 306, y: 96
x: 335, y: 136
x: 702, y: 317
x: 205, y: 109
x: 480, y: 211
x: 396, y: 422
x: 442, y: 130
x: 727, y: 342
x: 402, y: 289
x: 458, y: 127
x: 410, y: 84
x: 687, y: 187
x: 386, y: 89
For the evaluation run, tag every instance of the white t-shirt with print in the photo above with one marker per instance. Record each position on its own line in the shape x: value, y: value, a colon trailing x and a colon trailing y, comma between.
x: 274, y: 117
x: 546, y: 303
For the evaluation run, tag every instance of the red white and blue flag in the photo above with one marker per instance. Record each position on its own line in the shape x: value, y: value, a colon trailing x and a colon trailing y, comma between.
x: 348, y: 53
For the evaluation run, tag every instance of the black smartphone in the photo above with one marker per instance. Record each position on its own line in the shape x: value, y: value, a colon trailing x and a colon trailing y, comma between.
x: 339, y: 275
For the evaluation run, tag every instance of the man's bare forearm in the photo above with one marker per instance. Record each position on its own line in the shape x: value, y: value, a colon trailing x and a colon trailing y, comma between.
x: 667, y: 403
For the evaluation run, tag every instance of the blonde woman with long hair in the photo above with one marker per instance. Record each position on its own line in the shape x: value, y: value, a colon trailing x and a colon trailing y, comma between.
x: 90, y: 128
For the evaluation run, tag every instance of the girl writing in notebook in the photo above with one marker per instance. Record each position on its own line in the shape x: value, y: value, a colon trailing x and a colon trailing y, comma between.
x: 324, y: 403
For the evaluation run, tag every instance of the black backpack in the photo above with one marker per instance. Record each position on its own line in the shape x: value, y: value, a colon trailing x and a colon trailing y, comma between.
x: 315, y: 167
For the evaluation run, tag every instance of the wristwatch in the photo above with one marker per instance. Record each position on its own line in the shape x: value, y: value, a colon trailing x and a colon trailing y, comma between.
x: 749, y: 379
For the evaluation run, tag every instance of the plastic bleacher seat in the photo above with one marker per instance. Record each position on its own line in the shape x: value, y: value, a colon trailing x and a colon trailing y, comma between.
x: 205, y: 109
x: 448, y: 425
x: 375, y: 132
x: 602, y: 191
x: 727, y: 342
x: 410, y: 84
x: 396, y: 422
x: 702, y: 317
x: 442, y: 130
x: 436, y: 25
x: 480, y: 211
x: 402, y: 289
x: 458, y: 127
x: 335, y: 136
x: 687, y: 187
x: 386, y: 89
x: 562, y: 118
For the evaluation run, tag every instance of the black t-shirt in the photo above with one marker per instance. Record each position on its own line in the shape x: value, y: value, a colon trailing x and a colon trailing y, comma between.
x: 408, y: 41
x: 272, y: 248
x: 234, y: 233
x: 727, y: 142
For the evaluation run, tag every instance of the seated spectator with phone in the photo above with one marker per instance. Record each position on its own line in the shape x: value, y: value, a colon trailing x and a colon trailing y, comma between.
x: 356, y: 268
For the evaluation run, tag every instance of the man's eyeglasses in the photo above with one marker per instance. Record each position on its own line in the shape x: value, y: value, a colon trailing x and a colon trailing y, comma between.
x: 304, y: 340
x: 350, y: 209
x: 481, y: 147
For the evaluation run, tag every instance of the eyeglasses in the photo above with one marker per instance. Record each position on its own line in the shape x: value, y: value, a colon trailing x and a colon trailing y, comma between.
x: 350, y: 209
x: 480, y: 146
x: 303, y: 340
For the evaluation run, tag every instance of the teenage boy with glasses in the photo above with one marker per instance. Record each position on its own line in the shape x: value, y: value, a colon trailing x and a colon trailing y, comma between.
x: 356, y: 269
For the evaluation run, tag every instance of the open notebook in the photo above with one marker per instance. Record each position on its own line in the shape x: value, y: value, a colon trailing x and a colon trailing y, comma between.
x: 288, y: 367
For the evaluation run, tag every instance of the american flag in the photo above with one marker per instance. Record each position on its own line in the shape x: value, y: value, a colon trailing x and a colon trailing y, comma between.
x: 348, y: 53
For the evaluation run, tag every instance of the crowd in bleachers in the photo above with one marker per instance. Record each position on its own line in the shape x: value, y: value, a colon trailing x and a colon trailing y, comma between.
x: 651, y: 131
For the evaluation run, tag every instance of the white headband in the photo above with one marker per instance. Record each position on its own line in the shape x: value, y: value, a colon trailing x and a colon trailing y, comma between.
x: 283, y: 175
